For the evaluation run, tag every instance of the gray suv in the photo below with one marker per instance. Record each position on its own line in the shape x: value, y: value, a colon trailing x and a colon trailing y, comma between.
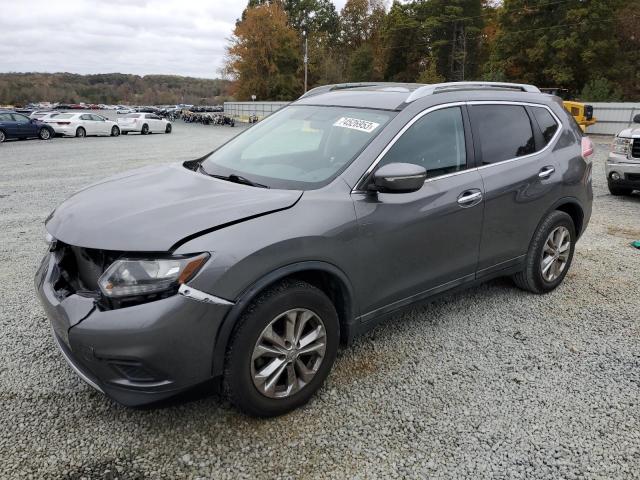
x: 252, y: 264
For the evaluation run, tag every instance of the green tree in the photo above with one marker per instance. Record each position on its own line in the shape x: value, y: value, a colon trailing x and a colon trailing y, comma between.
x: 263, y: 56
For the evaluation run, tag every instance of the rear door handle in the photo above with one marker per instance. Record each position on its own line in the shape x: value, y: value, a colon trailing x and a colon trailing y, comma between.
x: 469, y: 198
x: 546, y: 172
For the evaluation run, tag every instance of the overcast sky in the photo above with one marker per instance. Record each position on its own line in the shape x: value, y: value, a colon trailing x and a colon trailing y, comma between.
x: 183, y: 37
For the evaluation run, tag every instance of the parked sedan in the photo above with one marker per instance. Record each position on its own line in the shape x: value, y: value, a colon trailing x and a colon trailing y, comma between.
x: 82, y: 124
x: 16, y: 125
x: 144, y: 123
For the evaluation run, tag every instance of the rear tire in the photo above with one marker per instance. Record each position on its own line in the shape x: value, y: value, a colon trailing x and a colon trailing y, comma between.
x: 115, y: 131
x: 45, y: 134
x: 145, y: 129
x: 296, y: 375
x: 81, y: 132
x: 168, y: 129
x: 542, y: 273
x: 618, y: 191
x: 3, y: 137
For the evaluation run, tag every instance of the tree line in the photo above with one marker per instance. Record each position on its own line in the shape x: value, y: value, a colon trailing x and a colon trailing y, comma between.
x: 111, y: 89
x: 590, y: 47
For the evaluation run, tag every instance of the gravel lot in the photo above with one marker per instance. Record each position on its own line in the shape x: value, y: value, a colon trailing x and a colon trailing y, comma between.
x: 490, y: 383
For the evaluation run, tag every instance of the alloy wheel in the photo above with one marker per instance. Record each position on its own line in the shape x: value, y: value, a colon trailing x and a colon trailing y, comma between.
x: 288, y: 353
x: 45, y: 134
x: 555, y: 253
x: 2, y: 136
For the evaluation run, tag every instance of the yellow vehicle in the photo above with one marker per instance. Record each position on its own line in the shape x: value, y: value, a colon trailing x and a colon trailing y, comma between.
x: 582, y: 112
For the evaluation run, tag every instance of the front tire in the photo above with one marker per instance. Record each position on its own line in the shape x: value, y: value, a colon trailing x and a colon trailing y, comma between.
x: 3, y: 137
x: 44, y: 134
x: 550, y: 254
x: 168, y: 129
x: 282, y: 349
x: 81, y: 132
x: 115, y: 131
x: 619, y: 191
x: 145, y: 129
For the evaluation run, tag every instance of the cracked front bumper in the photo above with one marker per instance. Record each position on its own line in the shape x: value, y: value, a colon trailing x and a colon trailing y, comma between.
x: 135, y: 355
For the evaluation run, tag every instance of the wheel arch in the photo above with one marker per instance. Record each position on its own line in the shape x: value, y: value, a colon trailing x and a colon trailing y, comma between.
x: 325, y: 276
x: 571, y: 207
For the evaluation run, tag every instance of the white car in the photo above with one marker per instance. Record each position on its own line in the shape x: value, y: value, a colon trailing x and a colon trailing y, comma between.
x: 124, y: 110
x: 82, y: 125
x: 144, y: 123
x: 42, y: 114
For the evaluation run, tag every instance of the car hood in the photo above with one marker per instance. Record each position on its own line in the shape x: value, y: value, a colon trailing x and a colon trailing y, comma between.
x: 633, y: 132
x: 153, y: 209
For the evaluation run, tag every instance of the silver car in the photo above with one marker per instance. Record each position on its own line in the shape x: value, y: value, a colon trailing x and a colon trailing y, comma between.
x: 623, y: 165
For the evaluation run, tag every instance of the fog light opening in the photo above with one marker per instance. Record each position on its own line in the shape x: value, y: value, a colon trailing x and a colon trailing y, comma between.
x: 615, y: 176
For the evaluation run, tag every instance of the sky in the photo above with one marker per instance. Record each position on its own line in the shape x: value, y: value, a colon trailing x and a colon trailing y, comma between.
x: 181, y: 37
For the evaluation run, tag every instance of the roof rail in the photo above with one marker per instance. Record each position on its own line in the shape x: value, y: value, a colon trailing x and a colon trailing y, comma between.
x: 342, y: 86
x: 452, y: 86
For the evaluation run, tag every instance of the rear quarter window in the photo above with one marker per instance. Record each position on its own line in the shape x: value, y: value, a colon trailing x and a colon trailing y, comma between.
x: 546, y: 122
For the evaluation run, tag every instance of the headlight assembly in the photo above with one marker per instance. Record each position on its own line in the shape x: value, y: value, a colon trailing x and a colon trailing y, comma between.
x: 130, y: 277
x: 621, y: 145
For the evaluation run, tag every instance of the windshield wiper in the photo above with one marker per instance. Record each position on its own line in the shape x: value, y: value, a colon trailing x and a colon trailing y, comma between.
x: 233, y: 178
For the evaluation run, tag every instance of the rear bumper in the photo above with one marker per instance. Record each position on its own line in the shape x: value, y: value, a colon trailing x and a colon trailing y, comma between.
x: 124, y: 127
x: 69, y: 130
x: 135, y: 355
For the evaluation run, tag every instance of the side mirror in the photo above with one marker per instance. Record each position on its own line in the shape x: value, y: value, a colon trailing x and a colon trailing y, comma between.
x: 398, y: 178
x: 636, y: 119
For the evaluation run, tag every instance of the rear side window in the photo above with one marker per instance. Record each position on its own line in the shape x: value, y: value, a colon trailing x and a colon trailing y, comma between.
x: 435, y: 142
x: 5, y: 117
x: 546, y: 122
x: 505, y: 132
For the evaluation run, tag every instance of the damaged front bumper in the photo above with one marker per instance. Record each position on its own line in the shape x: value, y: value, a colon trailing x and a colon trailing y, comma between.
x: 139, y: 354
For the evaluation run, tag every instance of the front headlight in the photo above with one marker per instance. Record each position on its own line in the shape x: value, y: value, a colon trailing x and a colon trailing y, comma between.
x: 621, y: 145
x: 129, y: 277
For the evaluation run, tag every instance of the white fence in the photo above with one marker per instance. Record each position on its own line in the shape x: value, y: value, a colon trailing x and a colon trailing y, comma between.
x: 243, y: 110
x: 612, y: 117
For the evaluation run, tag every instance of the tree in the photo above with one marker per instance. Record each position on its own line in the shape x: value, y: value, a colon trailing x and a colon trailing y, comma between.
x: 263, y: 56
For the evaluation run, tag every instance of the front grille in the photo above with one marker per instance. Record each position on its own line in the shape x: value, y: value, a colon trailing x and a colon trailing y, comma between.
x: 635, y: 148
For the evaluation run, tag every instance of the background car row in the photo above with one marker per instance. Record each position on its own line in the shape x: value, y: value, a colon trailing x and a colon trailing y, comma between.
x: 46, y: 125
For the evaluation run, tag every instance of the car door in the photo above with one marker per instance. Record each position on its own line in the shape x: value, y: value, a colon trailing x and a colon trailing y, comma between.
x: 520, y: 176
x: 8, y: 125
x: 102, y: 127
x: 88, y: 124
x: 415, y: 244
x: 24, y: 126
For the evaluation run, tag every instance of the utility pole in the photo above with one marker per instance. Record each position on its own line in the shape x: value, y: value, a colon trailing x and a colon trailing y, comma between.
x: 306, y: 58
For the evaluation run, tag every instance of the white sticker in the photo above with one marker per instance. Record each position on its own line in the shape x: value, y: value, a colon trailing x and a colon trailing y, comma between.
x: 355, y: 124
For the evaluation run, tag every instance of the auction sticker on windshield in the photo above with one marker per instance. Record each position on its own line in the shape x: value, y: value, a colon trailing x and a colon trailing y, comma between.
x: 356, y: 124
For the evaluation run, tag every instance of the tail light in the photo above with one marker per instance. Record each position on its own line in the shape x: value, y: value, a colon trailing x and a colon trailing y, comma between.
x: 587, y: 147
x: 64, y: 123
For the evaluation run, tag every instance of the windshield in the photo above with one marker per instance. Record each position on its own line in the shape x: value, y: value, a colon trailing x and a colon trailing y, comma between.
x: 299, y: 147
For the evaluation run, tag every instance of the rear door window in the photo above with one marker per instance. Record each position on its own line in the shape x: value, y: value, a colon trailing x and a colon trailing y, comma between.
x: 505, y: 132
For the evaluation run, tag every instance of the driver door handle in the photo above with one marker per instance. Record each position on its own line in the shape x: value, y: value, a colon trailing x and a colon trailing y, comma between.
x: 469, y: 198
x: 546, y: 172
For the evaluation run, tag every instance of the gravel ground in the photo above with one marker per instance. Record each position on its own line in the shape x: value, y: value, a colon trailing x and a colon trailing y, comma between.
x: 489, y: 383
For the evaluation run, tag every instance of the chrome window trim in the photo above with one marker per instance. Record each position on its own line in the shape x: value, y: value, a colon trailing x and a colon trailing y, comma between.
x: 418, y: 116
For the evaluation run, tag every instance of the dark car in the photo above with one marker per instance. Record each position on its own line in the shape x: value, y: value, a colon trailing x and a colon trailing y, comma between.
x: 17, y: 125
x: 252, y: 264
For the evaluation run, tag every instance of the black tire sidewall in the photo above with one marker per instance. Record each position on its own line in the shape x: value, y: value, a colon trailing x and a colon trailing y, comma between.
x: 555, y: 220
x: 145, y: 130
x: 168, y: 129
x: 3, y: 137
x: 238, y: 380
x: 115, y: 131
x: 80, y: 129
